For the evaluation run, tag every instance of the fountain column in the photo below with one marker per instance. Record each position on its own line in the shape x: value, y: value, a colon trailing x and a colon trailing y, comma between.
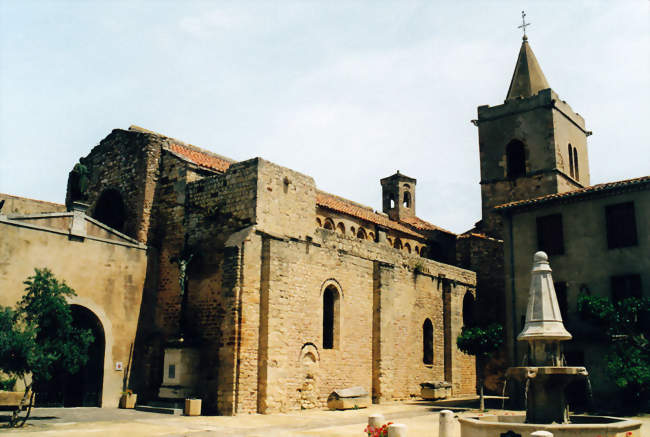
x: 544, y: 375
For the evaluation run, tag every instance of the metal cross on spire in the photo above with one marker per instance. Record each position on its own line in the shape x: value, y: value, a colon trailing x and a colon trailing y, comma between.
x: 523, y: 25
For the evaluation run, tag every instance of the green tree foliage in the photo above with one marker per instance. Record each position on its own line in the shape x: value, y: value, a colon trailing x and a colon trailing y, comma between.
x: 38, y: 337
x: 625, y: 326
x: 481, y: 342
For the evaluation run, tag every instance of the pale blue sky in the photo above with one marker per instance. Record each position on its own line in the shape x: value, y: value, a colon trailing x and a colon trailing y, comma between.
x: 347, y: 92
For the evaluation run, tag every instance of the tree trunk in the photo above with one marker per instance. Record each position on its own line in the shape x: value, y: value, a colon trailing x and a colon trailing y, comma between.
x: 480, y: 396
x: 15, y: 416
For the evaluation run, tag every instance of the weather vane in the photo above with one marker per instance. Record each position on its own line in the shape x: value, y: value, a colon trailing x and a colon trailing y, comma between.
x: 523, y: 25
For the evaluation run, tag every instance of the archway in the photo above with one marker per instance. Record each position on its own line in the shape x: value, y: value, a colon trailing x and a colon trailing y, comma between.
x: 84, y: 388
x: 110, y: 209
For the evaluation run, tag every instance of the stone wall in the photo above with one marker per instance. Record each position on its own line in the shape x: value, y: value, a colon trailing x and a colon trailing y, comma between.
x: 587, y: 265
x: 261, y: 274
x: 106, y: 271
x: 22, y: 205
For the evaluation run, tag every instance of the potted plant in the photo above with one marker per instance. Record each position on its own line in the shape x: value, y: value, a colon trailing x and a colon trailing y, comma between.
x: 128, y: 399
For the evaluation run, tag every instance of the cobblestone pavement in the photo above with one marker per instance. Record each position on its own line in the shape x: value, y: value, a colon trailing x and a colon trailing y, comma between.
x: 421, y: 419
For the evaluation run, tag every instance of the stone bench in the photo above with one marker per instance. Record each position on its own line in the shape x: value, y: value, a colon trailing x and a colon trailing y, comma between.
x: 435, y: 390
x: 349, y: 398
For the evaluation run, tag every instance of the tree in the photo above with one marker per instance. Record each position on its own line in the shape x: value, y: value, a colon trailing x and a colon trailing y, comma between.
x: 480, y: 342
x: 39, y: 338
x: 625, y: 326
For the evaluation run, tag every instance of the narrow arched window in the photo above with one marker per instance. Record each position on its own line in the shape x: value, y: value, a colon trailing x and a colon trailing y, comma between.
x: 319, y: 223
x: 468, y: 309
x: 397, y: 244
x: 571, y: 161
x: 329, y: 224
x: 575, y: 163
x: 407, y: 247
x: 371, y: 236
x: 341, y: 228
x: 392, y: 201
x: 516, y: 159
x: 361, y: 233
x: 110, y: 209
x: 407, y: 199
x: 331, y: 311
x: 427, y: 342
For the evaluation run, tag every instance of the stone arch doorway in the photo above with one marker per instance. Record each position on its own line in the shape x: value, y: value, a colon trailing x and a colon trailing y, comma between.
x: 84, y: 388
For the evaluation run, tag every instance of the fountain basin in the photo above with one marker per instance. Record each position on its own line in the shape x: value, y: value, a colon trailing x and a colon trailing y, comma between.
x: 530, y: 372
x: 580, y: 426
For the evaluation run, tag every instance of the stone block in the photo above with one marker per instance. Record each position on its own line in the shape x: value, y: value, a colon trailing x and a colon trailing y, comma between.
x: 192, y: 407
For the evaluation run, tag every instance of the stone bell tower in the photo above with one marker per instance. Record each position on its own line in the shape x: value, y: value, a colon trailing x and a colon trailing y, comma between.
x: 531, y: 145
x: 398, y: 196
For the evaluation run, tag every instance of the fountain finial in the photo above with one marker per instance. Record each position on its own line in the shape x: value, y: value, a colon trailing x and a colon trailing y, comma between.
x: 543, y: 318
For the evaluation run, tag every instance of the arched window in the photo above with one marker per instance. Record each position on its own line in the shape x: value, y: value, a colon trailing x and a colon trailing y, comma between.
x: 361, y: 233
x: 371, y: 236
x: 392, y: 201
x: 417, y: 250
x: 390, y: 240
x: 407, y: 199
x: 329, y: 224
x: 341, y: 228
x: 352, y: 231
x: 331, y: 317
x: 427, y: 342
x: 571, y: 161
x: 468, y: 309
x: 575, y: 163
x: 516, y: 158
x: 397, y: 244
x: 319, y: 223
x: 110, y: 209
x: 407, y: 247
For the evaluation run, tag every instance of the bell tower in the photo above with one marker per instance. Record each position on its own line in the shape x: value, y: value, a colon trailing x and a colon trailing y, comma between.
x: 532, y: 145
x: 398, y: 196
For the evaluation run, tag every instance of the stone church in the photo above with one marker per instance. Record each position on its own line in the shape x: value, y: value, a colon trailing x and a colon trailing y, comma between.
x: 245, y: 285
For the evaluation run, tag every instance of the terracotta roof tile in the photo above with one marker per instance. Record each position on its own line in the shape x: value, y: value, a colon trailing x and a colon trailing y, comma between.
x: 593, y: 189
x: 200, y: 157
x: 423, y: 225
x: 345, y: 206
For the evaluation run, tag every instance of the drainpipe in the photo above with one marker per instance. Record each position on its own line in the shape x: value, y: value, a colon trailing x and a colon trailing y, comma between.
x: 513, y: 296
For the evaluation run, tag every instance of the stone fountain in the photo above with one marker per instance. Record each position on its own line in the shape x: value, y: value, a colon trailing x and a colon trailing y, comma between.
x: 545, y: 376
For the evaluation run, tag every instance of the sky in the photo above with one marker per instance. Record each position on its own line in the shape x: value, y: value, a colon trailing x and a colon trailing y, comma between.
x: 347, y: 92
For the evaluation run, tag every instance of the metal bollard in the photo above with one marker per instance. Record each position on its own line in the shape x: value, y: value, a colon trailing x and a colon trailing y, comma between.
x: 446, y: 424
x: 397, y: 430
x: 376, y: 420
x: 541, y: 434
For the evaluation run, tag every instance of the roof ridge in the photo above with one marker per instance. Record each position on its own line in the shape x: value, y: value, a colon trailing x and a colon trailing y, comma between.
x: 573, y: 193
x: 181, y: 143
x: 351, y: 202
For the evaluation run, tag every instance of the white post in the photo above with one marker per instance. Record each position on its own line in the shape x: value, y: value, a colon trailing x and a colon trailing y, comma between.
x: 397, y: 430
x: 541, y: 434
x: 376, y: 420
x: 446, y: 424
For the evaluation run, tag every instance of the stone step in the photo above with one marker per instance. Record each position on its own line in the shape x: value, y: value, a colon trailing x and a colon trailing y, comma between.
x: 161, y: 410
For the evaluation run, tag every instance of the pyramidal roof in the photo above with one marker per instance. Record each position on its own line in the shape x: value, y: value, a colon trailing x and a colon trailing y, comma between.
x: 528, y: 78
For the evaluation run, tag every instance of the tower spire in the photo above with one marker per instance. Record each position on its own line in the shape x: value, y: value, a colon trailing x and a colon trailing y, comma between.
x: 528, y: 78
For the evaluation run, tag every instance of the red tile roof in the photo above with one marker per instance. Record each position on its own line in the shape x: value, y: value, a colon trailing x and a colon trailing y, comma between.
x: 200, y: 157
x: 423, y: 225
x: 582, y: 192
x: 339, y: 204
x: 195, y: 155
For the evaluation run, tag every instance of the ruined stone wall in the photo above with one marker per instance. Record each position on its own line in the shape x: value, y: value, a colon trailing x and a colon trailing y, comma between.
x: 128, y: 162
